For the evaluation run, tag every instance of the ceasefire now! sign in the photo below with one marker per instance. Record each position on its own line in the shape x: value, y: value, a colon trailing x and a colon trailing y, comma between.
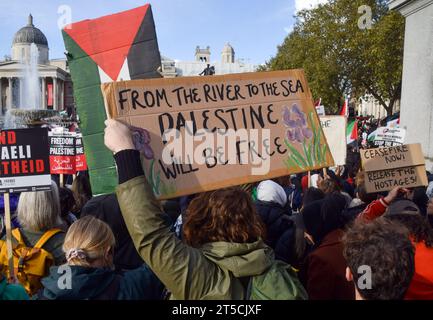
x: 400, y: 166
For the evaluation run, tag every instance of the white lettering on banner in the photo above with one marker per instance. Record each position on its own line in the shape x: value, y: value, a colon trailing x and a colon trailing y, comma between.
x: 389, y: 137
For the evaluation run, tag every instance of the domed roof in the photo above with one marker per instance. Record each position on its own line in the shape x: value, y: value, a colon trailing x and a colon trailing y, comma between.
x: 30, y: 34
x: 228, y: 48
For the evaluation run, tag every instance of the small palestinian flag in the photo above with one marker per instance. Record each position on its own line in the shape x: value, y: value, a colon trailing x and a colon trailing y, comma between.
x: 352, y: 132
x: 345, y: 108
x: 121, y: 46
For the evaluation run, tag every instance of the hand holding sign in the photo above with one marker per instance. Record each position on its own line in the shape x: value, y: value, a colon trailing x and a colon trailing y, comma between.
x: 395, y: 193
x: 117, y: 136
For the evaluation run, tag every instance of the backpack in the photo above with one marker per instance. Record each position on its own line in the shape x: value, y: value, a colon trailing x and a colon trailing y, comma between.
x: 280, y: 282
x: 30, y: 264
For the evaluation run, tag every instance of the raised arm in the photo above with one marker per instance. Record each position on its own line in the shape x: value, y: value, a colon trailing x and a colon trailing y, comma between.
x: 178, y: 266
x: 378, y: 207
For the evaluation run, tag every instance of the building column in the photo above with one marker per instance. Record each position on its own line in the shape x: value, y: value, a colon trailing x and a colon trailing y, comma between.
x: 21, y: 96
x: 44, y: 93
x: 416, y: 114
x: 10, y: 93
x: 1, y: 96
x: 55, y: 98
x: 62, y: 95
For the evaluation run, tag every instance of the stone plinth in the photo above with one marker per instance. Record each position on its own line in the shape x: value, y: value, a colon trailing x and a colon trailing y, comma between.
x: 417, y: 91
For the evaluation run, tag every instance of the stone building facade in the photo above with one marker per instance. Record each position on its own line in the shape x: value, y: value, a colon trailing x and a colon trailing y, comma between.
x: 228, y: 64
x: 54, y: 78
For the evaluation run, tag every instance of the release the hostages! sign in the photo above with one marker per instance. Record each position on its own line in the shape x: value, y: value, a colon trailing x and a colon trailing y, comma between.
x: 400, y: 166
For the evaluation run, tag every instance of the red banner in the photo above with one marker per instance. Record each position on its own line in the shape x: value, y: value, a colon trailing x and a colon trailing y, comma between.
x: 50, y: 94
x: 80, y: 157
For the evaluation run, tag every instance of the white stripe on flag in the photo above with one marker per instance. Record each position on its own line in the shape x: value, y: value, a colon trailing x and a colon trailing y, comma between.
x: 123, y: 74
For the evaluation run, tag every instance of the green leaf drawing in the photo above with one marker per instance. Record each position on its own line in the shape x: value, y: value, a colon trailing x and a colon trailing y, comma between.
x: 296, y: 153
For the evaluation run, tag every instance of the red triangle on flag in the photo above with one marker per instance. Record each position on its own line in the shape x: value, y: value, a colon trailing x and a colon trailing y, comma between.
x: 354, y: 134
x: 343, y: 111
x: 107, y: 40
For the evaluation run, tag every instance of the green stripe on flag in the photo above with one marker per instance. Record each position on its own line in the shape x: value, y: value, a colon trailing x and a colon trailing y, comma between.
x: 349, y: 130
x: 90, y: 107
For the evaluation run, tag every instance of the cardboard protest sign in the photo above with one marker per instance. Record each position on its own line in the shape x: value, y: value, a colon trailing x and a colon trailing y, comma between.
x: 120, y: 46
x: 334, y: 128
x: 389, y: 137
x: 223, y: 130
x: 24, y: 160
x: 62, y: 152
x: 80, y: 157
x: 387, y: 168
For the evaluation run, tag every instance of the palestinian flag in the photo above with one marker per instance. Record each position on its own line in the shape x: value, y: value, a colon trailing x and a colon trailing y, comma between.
x: 345, y: 109
x: 393, y: 121
x: 121, y: 46
x: 352, y: 132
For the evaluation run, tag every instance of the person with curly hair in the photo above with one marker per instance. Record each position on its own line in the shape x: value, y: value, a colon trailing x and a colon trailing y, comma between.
x: 380, y: 259
x: 396, y: 208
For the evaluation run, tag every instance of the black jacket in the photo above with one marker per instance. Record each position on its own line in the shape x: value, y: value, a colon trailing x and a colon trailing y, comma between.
x: 102, y: 284
x: 350, y: 214
x: 280, y: 230
x: 106, y: 208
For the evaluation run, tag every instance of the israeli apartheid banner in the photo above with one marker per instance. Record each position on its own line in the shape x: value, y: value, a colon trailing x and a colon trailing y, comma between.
x: 24, y: 160
x: 62, y: 152
x: 400, y: 166
x: 389, y: 137
x: 334, y: 128
x: 199, y: 134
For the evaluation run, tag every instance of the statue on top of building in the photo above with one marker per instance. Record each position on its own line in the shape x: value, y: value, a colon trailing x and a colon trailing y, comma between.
x: 208, y: 71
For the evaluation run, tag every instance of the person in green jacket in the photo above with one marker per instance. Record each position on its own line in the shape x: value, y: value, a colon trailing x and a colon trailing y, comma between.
x: 222, y: 245
x: 89, y: 273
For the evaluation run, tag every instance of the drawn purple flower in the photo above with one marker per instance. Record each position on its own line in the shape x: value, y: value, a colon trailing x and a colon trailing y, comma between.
x: 296, y: 122
x: 141, y: 139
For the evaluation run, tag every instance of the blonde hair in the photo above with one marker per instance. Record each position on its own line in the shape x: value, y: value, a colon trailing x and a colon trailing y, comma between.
x: 40, y: 210
x: 91, y: 238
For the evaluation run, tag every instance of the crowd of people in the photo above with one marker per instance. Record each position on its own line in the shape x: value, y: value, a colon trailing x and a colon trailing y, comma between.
x: 319, y: 237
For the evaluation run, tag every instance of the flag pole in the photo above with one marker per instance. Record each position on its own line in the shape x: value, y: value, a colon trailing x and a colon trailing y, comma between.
x: 8, y: 225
